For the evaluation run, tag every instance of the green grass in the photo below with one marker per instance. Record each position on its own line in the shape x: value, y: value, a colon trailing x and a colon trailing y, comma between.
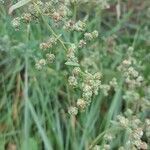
x: 34, y: 104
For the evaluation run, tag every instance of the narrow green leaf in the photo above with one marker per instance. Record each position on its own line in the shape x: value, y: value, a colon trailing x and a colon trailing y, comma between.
x: 42, y: 132
x: 69, y: 63
x: 33, y: 144
x: 2, y: 143
x: 18, y: 5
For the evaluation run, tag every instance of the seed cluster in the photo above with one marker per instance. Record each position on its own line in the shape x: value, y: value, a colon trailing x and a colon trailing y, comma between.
x: 60, y: 14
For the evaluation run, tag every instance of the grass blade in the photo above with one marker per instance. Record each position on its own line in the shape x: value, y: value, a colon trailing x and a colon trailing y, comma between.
x: 18, y: 5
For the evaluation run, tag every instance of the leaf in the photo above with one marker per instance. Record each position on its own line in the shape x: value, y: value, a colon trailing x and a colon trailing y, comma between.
x: 32, y: 144
x: 42, y: 132
x: 69, y: 63
x: 18, y: 5
x: 2, y: 144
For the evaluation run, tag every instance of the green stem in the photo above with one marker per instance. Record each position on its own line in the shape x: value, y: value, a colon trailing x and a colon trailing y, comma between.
x: 97, y: 139
x: 26, y: 110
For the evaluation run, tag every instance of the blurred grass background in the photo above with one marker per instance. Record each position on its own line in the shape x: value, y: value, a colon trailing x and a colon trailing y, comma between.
x: 33, y: 104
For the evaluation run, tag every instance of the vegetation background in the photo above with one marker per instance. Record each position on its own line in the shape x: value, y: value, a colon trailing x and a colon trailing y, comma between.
x: 34, y: 104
